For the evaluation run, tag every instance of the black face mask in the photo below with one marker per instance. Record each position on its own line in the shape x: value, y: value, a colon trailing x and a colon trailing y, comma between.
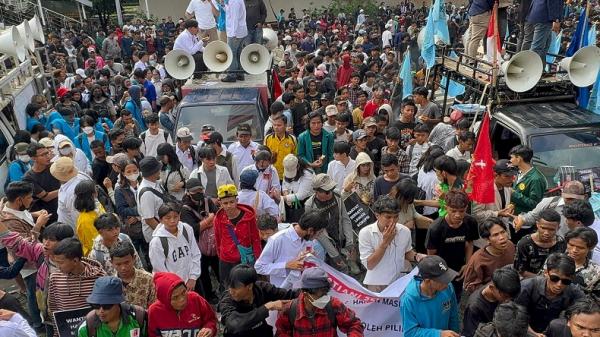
x: 199, y: 197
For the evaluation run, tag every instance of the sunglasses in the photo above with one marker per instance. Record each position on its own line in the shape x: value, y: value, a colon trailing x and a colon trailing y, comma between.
x: 103, y: 306
x: 556, y: 279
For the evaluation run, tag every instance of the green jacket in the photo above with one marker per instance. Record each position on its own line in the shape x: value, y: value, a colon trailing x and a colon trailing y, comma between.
x: 305, y: 150
x: 528, y: 191
x: 128, y: 327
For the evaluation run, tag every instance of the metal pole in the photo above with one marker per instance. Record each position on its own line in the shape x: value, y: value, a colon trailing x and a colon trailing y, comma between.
x: 39, y: 3
x: 147, y: 10
x: 84, y: 13
x: 119, y: 14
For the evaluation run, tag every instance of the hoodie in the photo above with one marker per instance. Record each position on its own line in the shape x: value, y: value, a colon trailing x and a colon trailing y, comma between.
x: 79, y: 158
x: 183, y: 254
x: 56, y: 121
x: 245, y: 230
x: 364, y: 185
x: 423, y: 316
x: 134, y: 105
x: 344, y: 72
x: 163, y: 320
x: 70, y: 291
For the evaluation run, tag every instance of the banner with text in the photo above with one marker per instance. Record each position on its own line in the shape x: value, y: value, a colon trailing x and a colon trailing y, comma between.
x: 68, y: 321
x: 379, y: 312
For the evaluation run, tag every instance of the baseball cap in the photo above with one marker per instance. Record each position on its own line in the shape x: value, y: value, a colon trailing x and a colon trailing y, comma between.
x: 290, y: 166
x: 193, y: 185
x: 184, y: 134
x: 21, y: 148
x: 503, y: 166
x: 323, y: 182
x: 314, y: 278
x: 117, y: 159
x: 370, y: 122
x: 331, y: 110
x: 359, y: 134
x: 244, y: 129
x: 225, y: 191
x: 435, y: 268
x: 207, y: 127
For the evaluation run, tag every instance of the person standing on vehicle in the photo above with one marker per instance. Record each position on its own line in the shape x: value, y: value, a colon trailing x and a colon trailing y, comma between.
x: 256, y: 13
x: 205, y: 12
x: 189, y: 42
x: 235, y: 22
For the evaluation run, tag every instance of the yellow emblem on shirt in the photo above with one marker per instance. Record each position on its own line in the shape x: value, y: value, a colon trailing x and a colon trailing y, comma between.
x: 521, y: 186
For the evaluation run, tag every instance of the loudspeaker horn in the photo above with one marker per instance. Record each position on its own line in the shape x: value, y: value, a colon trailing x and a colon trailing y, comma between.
x: 523, y: 71
x: 180, y: 64
x: 37, y: 30
x: 255, y: 59
x: 583, y: 66
x: 269, y: 38
x: 217, y: 56
x: 10, y: 43
x: 26, y: 35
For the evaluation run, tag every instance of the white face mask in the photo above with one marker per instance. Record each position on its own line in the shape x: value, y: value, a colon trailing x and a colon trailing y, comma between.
x: 133, y: 176
x: 65, y: 151
x: 88, y: 130
x: 321, y: 302
x: 24, y: 158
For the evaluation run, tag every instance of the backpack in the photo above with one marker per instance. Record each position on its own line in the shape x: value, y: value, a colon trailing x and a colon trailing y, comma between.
x: 23, y: 168
x: 165, y: 197
x: 164, y: 242
x: 92, y: 322
x: 167, y: 179
x: 165, y: 134
x: 99, y: 255
x: 331, y: 314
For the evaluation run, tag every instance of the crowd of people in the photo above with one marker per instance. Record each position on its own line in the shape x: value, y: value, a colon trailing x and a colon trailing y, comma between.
x: 157, y: 229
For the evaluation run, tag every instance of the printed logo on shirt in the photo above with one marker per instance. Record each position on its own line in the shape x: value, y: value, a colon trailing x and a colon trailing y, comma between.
x: 180, y: 333
x: 193, y: 318
x: 180, y: 252
x: 455, y: 239
x: 446, y: 305
x: 134, y: 332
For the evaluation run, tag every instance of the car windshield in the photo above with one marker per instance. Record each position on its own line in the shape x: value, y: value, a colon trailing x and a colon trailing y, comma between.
x: 225, y: 118
x: 578, y: 149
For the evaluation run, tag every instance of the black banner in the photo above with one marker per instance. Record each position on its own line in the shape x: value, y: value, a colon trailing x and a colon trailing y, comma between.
x: 68, y: 321
x: 359, y: 213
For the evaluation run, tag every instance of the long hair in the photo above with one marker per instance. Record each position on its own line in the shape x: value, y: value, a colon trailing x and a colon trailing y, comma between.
x: 85, y: 200
x: 166, y: 149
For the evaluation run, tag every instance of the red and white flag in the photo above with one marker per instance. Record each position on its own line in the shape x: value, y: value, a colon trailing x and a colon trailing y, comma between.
x: 493, y: 43
x: 480, y: 180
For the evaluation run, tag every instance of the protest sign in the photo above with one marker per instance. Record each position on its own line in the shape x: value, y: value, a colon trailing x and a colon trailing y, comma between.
x: 68, y: 321
x: 359, y: 213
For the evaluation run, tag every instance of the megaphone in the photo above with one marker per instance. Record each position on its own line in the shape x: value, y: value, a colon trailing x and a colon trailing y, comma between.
x: 269, y: 38
x: 36, y: 29
x: 217, y: 56
x: 26, y: 36
x: 523, y: 71
x: 583, y: 66
x: 10, y: 44
x: 180, y: 64
x: 255, y: 59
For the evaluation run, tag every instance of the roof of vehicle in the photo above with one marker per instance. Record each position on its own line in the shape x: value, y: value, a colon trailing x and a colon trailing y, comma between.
x: 534, y: 118
x: 221, y: 95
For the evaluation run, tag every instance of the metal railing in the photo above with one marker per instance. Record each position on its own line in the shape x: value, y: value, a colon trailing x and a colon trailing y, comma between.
x: 14, y: 12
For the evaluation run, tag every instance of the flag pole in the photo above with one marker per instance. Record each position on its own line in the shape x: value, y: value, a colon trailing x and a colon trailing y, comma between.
x: 496, y: 40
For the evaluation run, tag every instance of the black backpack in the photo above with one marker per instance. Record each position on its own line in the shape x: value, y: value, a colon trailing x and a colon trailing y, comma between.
x: 92, y: 322
x: 164, y: 242
x: 165, y: 197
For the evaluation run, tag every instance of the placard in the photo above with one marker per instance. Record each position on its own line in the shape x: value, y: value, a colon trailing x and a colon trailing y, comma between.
x: 359, y: 213
x: 68, y: 321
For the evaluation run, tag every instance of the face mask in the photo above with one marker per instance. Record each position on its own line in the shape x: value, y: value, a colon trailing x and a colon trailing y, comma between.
x: 65, y: 151
x: 24, y: 158
x: 88, y: 129
x: 198, y: 197
x: 321, y: 302
x: 152, y: 62
x: 133, y: 176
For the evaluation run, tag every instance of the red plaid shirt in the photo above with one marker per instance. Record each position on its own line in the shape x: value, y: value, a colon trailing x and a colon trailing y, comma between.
x: 319, y: 325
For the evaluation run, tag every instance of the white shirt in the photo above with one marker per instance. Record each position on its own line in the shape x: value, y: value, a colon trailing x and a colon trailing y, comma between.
x: 386, y: 38
x: 188, y: 42
x: 186, y: 158
x: 264, y: 205
x: 282, y: 247
x: 66, y: 196
x: 427, y: 182
x: 235, y: 19
x: 140, y: 65
x: 267, y: 180
x: 455, y: 153
x: 16, y: 326
x: 183, y: 256
x: 393, y: 264
x: 151, y: 142
x: 338, y: 172
x: 243, y: 155
x: 148, y: 206
x: 415, y: 155
x: 202, y: 10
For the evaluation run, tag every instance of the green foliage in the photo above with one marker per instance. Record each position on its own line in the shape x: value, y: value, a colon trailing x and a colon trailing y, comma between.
x: 104, y: 9
x: 351, y: 7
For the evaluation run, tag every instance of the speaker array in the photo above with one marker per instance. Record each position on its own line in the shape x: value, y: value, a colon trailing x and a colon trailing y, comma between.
x: 16, y: 40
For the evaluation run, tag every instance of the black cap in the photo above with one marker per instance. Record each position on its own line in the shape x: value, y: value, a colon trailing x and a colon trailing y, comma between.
x: 325, y: 96
x: 207, y: 127
x: 503, y: 166
x: 244, y: 129
x: 149, y: 166
x: 435, y: 268
x: 193, y: 185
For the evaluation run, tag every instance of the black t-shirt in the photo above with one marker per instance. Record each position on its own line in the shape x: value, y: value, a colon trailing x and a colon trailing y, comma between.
x: 558, y: 328
x: 191, y: 218
x: 450, y: 242
x: 531, y: 257
x: 479, y: 310
x: 316, y: 145
x: 43, y: 181
x: 383, y: 187
x: 374, y: 147
x: 237, y: 219
x: 406, y: 131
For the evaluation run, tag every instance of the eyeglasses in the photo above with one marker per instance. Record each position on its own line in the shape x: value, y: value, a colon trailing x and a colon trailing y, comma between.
x: 103, y: 306
x: 324, y: 192
x: 556, y: 279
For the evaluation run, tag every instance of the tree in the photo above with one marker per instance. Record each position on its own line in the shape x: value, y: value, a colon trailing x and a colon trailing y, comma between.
x: 104, y: 9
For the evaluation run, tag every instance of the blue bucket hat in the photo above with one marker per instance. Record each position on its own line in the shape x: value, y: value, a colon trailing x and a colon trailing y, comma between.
x: 107, y: 290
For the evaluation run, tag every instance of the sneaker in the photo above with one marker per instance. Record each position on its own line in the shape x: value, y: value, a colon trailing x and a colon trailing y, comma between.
x: 228, y: 79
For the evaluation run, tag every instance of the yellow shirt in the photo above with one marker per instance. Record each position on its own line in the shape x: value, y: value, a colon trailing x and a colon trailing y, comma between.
x: 280, y: 148
x: 85, y: 230
x: 357, y: 117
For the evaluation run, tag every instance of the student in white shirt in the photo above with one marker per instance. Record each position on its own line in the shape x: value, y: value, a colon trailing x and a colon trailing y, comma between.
x: 257, y: 199
x: 189, y: 42
x: 416, y: 150
x: 244, y: 148
x: 463, y: 150
x: 153, y: 137
x: 285, y: 251
x: 385, y: 246
x: 235, y: 23
x: 342, y: 166
x: 205, y: 12
x: 268, y: 178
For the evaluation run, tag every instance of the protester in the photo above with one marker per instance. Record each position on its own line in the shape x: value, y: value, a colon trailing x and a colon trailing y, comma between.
x: 137, y: 283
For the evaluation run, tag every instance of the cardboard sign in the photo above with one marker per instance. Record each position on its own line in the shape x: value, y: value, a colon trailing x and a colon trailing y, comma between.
x: 359, y: 213
x: 68, y: 321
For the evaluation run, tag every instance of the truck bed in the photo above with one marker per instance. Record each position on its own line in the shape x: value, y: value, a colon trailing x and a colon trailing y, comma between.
x: 214, y: 81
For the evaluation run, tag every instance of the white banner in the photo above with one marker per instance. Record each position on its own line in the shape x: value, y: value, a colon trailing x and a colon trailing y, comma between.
x: 379, y: 312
